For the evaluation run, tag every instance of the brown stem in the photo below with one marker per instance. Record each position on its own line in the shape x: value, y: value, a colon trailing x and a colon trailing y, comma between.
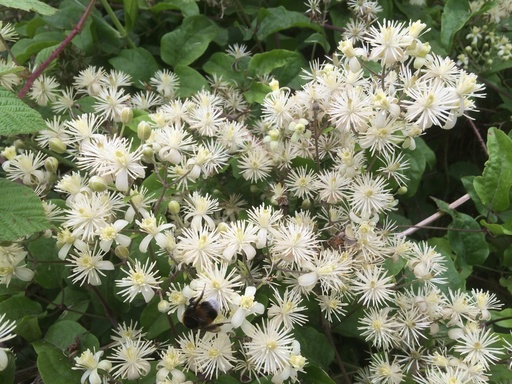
x: 39, y: 70
x: 478, y: 135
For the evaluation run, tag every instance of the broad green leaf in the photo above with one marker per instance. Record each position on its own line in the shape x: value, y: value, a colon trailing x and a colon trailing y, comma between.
x: 221, y: 64
x: 24, y: 49
x: 314, y: 346
x: 154, y: 321
x: 25, y: 312
x: 191, y: 81
x: 187, y: 7
x: 455, y: 15
x: 493, y: 187
x: 53, y: 366
x: 187, y: 43
x: 468, y: 240
x: 468, y: 182
x: 137, y: 62
x: 48, y: 266
x: 256, y: 92
x: 418, y: 160
x: 285, y: 65
x: 21, y: 211
x: 64, y: 333
x: 316, y: 375
x: 319, y: 38
x: 30, y: 6
x: 7, y: 375
x: 506, y: 315
x: 451, y: 275
x: 73, y: 298
x: 277, y: 19
x: 131, y: 11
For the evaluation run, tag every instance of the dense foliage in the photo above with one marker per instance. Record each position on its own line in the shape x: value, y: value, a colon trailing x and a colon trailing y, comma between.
x: 228, y: 191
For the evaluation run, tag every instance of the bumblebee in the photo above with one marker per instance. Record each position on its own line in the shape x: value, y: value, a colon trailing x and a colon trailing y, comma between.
x: 201, y: 314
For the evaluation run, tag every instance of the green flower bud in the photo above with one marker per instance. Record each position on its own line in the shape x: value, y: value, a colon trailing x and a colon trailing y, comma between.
x: 143, y: 131
x: 174, y: 207
x: 122, y: 252
x: 56, y: 145
x: 97, y: 184
x: 51, y: 164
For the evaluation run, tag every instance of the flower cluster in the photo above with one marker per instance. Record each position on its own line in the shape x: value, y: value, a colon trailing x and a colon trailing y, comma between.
x: 159, y: 203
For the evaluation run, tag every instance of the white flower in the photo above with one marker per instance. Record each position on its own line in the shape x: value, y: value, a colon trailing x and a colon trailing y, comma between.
x: 269, y: 347
x: 369, y: 195
x: 110, y: 101
x: 201, y: 208
x: 217, y: 284
x: 295, y: 243
x: 286, y: 309
x: 141, y: 279
x: 111, y: 232
x: 476, y: 347
x: 246, y: 306
x: 374, y: 286
x: 12, y: 264
x: 131, y: 359
x: 238, y: 238
x: 165, y: 82
x: 88, y: 265
x: 266, y: 220
x: 111, y: 159
x: 149, y: 225
x: 214, y: 354
x: 91, y: 363
x: 199, y: 247
x: 431, y: 103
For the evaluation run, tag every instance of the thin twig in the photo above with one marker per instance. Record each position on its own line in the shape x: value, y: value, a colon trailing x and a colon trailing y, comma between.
x: 478, y: 135
x: 39, y: 70
x: 433, y: 217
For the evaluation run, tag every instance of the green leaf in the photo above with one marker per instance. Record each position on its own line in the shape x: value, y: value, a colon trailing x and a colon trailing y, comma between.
x: 187, y: 7
x: 451, y: 275
x: 316, y: 375
x: 54, y: 366
x: 30, y: 6
x: 25, y: 312
x: 17, y: 117
x: 468, y: 240
x: 131, y: 11
x: 137, y: 62
x: 49, y: 268
x: 314, y: 346
x: 256, y: 92
x: 24, y: 49
x: 277, y: 19
x: 506, y: 315
x: 64, y: 333
x: 154, y: 321
x: 493, y: 187
x: 191, y: 81
x: 221, y: 64
x: 21, y: 211
x: 418, y: 160
x: 455, y: 15
x: 319, y: 38
x: 7, y: 375
x: 285, y: 65
x: 187, y: 43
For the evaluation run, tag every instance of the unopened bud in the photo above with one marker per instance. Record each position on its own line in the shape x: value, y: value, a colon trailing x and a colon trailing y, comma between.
x: 56, y: 145
x: 122, y: 252
x: 164, y: 306
x: 97, y: 184
x: 143, y: 131
x: 402, y: 190
x: 126, y: 115
x: 174, y: 207
x: 51, y: 164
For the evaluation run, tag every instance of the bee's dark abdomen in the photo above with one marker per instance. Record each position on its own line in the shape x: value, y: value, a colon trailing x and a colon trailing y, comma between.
x: 199, y: 316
